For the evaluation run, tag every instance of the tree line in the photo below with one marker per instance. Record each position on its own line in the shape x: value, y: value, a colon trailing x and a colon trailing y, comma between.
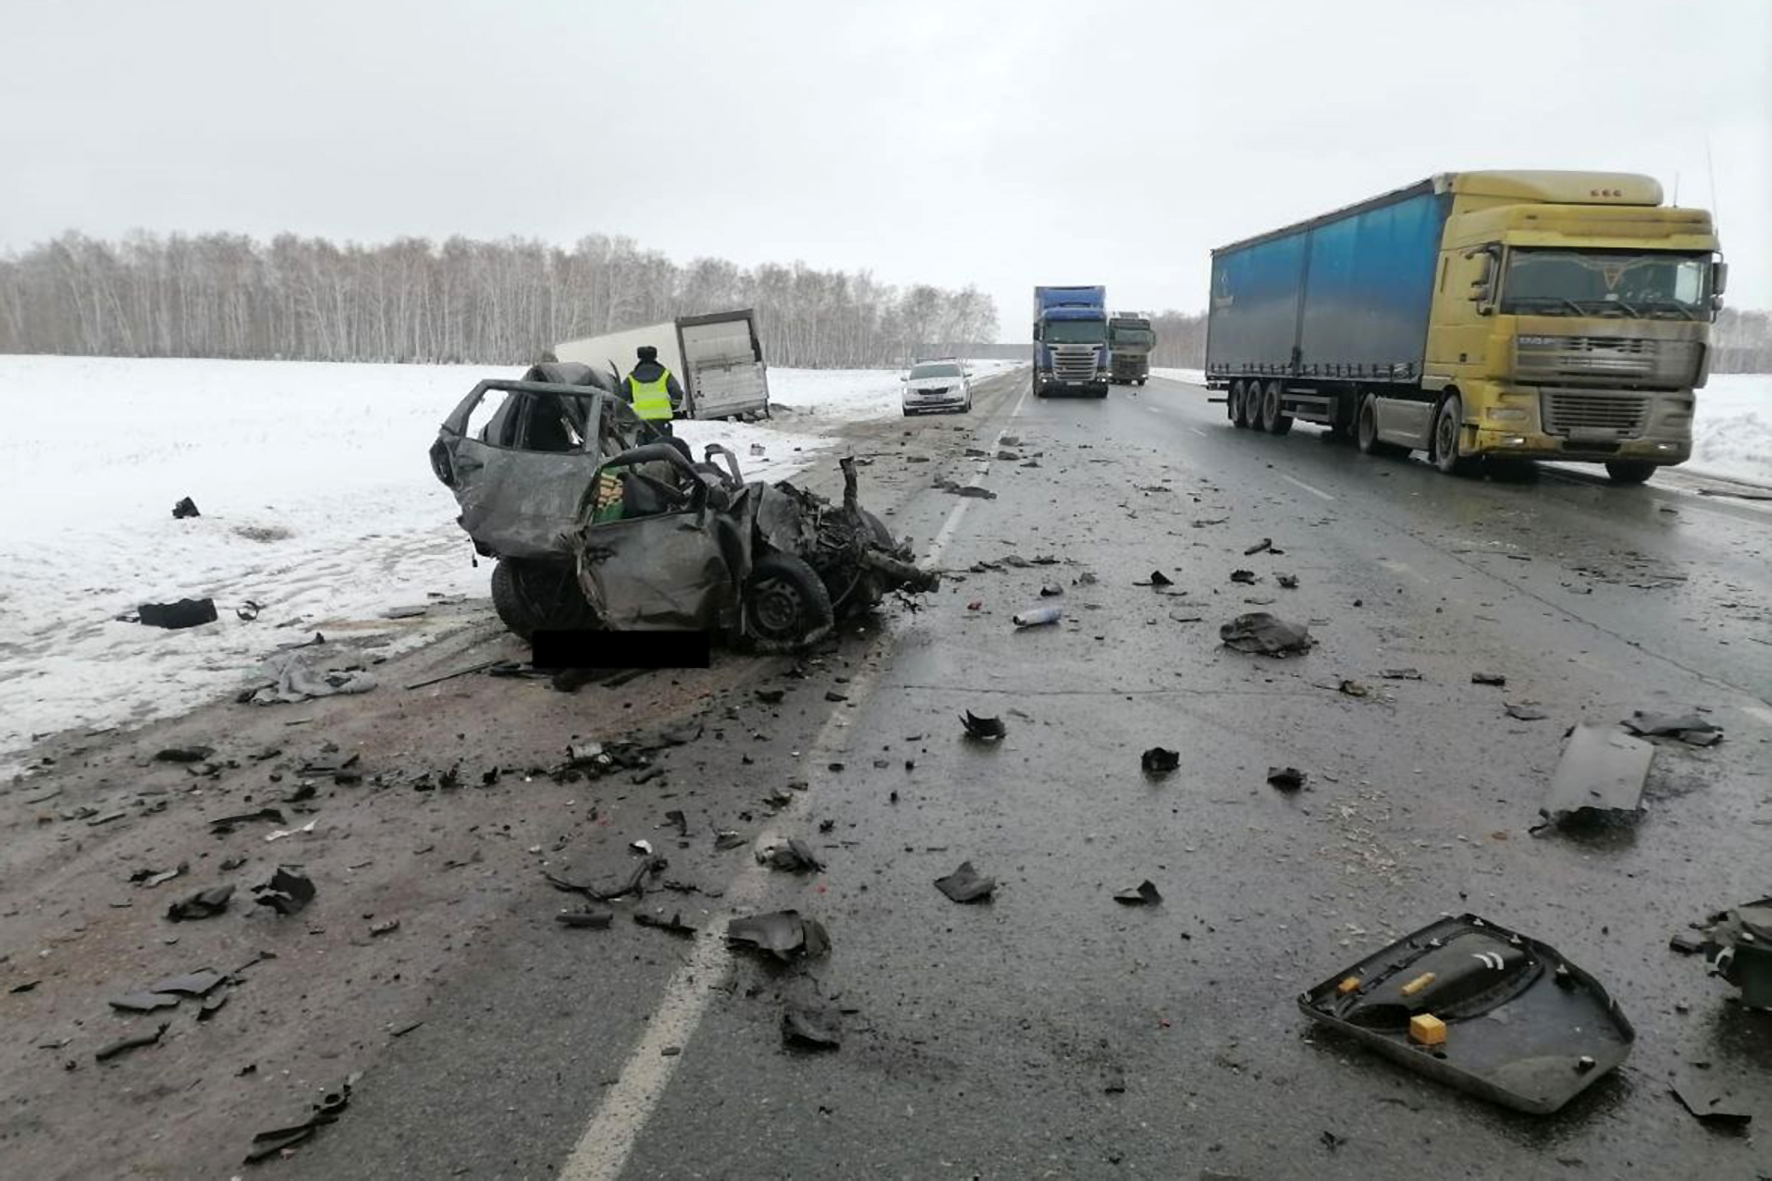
x: 503, y: 302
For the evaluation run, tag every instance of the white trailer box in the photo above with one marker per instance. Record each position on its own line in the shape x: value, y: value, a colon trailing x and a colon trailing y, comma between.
x: 717, y: 358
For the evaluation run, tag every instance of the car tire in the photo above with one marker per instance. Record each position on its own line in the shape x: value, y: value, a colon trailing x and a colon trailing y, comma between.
x: 1448, y: 430
x: 786, y: 605
x: 1629, y: 471
x: 539, y: 596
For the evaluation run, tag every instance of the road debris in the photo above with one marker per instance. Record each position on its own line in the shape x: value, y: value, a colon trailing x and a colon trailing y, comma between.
x: 1157, y: 579
x: 147, y: 879
x: 1401, y: 674
x: 1050, y: 590
x: 1265, y: 543
x: 183, y: 754
x: 1265, y: 635
x: 1738, y: 946
x: 983, y: 729
x: 1600, y: 774
x: 672, y: 926
x: 137, y: 1042
x: 783, y: 933
x: 191, y: 984
x: 814, y: 1026
x: 385, y: 927
x: 1246, y: 577
x: 1036, y: 616
x: 176, y: 616
x: 1709, y: 1102
x: 1158, y: 761
x: 143, y: 1002
x: 1476, y: 980
x: 594, y: 920
x: 1525, y: 711
x: 1286, y: 778
x: 1689, y: 728
x: 185, y: 509
x: 281, y: 833
x: 634, y: 885
x: 1353, y: 689
x: 965, y: 884
x: 1488, y: 679
x: 289, y: 678
x: 277, y: 1141
x: 1143, y: 894
x: 288, y: 892
x: 201, y: 905
x: 795, y: 856
x: 1287, y: 581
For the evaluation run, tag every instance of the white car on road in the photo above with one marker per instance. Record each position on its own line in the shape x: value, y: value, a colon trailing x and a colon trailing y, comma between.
x: 935, y: 386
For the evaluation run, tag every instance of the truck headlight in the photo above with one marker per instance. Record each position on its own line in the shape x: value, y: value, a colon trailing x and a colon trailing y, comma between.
x: 1509, y: 413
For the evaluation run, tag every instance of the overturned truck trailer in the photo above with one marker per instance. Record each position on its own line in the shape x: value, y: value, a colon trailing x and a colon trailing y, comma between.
x: 717, y: 358
x: 598, y: 522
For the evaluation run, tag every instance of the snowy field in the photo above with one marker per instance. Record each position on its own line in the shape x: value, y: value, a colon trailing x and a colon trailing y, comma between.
x: 1731, y: 431
x: 852, y: 394
x: 317, y: 499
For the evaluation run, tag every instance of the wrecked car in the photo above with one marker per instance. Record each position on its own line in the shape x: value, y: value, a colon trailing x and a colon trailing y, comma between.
x: 599, y: 521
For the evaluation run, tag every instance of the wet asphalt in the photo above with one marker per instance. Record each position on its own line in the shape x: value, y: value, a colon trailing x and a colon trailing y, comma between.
x: 981, y: 1039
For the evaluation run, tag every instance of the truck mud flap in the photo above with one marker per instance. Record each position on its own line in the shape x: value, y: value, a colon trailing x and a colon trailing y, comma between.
x: 1481, y: 1008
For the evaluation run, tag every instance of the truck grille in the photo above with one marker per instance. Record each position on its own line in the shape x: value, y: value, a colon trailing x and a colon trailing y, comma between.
x: 1580, y: 412
x: 1074, y: 364
x: 1608, y: 360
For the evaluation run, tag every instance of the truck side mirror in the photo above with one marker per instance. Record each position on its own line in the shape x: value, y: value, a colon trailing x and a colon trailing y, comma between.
x: 1719, y: 277
x: 1483, y: 286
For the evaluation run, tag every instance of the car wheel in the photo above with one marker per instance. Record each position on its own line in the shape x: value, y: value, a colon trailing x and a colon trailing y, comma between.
x: 1448, y: 427
x: 539, y: 596
x: 786, y: 605
x: 1629, y: 471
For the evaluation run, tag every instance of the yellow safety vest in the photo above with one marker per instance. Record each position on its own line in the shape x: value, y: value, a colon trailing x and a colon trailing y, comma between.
x: 651, y: 399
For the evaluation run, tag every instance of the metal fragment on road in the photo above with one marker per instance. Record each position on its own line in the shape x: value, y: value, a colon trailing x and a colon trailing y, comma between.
x: 1525, y: 711
x: 1286, y: 778
x: 814, y: 1026
x: 201, y: 905
x: 1690, y: 728
x: 1709, y: 1101
x: 1143, y: 894
x: 966, y: 884
x: 1159, y: 761
x: 794, y: 856
x: 1602, y: 772
x: 982, y: 728
x: 132, y: 1043
x: 288, y: 892
x: 783, y: 933
x: 1265, y: 635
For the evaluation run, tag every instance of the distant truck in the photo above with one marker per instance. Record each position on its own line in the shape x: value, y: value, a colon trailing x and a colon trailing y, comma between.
x: 1478, y: 316
x: 1070, y: 341
x: 718, y: 359
x: 1130, y: 341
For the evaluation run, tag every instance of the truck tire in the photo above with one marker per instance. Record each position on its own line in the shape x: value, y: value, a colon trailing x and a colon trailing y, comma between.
x: 786, y: 605
x: 1629, y: 471
x: 1273, y: 420
x: 539, y: 596
x: 1366, y: 430
x: 1239, y: 404
x: 1448, y: 427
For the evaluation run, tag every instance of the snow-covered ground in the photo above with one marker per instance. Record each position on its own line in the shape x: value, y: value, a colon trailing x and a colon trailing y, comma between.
x: 317, y: 499
x: 1731, y: 431
x: 851, y: 394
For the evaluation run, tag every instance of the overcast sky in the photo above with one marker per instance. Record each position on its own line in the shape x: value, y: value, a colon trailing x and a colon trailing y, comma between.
x: 949, y: 142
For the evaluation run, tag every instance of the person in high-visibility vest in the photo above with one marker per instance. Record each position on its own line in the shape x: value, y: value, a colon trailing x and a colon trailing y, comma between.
x: 652, y: 391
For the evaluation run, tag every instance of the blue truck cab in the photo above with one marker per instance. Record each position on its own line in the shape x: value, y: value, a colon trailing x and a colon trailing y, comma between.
x: 1070, y: 341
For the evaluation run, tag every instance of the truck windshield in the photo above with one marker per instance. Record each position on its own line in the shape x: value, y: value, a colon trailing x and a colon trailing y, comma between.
x: 1132, y: 338
x: 1659, y: 285
x: 1075, y: 332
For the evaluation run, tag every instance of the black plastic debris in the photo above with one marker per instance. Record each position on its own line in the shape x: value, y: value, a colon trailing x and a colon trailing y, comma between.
x: 1600, y: 774
x: 1050, y: 590
x: 191, y: 984
x: 1738, y: 947
x: 227, y: 824
x: 796, y: 856
x: 1157, y: 579
x: 770, y: 696
x: 1286, y: 778
x: 1264, y: 543
x: 385, y: 927
x: 966, y: 884
x: 1480, y: 1008
x: 211, y: 1006
x: 124, y: 1045
x: 1265, y: 635
x: 1143, y: 894
x: 1354, y: 689
x: 248, y: 610
x: 186, y: 507
x: 1246, y: 577
x: 276, y: 1141
x: 592, y: 920
x: 201, y: 905
x: 1686, y: 943
x: 1158, y: 761
x: 183, y: 754
x: 1709, y: 1102
x: 1401, y: 674
x: 144, y: 1002
x: 811, y: 1026
x: 1287, y: 581
x: 727, y: 840
x: 1488, y: 679
x: 174, y: 616
x: 983, y: 729
x: 288, y: 892
x: 147, y: 879
x: 1525, y: 711
x: 1691, y: 729
x: 673, y: 925
x: 635, y: 884
x: 678, y: 821
x: 783, y: 933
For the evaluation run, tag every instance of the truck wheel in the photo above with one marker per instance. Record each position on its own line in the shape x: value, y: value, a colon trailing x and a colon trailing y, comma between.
x: 1629, y: 471
x: 786, y: 605
x: 1273, y: 421
x: 1366, y: 429
x: 1239, y: 404
x: 1448, y: 426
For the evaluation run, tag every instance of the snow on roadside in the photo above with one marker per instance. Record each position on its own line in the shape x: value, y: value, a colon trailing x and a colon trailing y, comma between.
x: 1732, y: 427
x: 317, y: 499
x: 1191, y: 376
x: 851, y: 394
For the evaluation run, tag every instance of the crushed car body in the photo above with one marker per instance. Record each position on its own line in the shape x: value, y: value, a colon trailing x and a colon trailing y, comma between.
x: 599, y: 521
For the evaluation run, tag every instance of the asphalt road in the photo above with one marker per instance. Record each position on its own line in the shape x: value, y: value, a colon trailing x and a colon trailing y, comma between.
x: 980, y: 1040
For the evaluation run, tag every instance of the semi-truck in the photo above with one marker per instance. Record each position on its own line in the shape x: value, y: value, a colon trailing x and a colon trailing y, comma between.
x: 1486, y: 318
x: 1070, y: 341
x: 1130, y: 341
x: 717, y: 358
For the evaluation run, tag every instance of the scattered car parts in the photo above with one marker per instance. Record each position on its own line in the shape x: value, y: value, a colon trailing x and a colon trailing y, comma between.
x: 1265, y: 635
x: 1601, y: 773
x: 966, y: 884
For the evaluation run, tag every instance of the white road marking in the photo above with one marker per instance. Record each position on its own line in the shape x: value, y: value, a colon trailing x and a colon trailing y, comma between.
x: 1197, y: 431
x: 1758, y: 711
x: 614, y: 1128
x: 1308, y: 488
